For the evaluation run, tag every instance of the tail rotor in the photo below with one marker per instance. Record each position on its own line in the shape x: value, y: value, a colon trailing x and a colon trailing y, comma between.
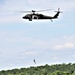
x: 59, y: 11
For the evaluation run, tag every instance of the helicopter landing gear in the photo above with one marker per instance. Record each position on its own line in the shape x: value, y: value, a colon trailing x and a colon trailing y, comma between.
x: 30, y: 19
x: 51, y: 20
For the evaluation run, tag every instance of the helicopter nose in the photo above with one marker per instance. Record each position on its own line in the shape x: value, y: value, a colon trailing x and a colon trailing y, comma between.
x: 23, y: 17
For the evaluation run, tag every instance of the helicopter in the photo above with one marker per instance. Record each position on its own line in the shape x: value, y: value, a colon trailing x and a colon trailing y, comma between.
x: 38, y: 16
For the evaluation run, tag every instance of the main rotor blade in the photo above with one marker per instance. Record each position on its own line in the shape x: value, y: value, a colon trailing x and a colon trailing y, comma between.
x: 34, y: 11
x: 27, y: 11
x: 44, y: 10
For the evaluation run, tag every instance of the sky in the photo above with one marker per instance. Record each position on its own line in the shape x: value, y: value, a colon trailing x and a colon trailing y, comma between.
x: 22, y: 41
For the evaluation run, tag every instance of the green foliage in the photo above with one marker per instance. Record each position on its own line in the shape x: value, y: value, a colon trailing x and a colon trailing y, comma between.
x: 57, y: 69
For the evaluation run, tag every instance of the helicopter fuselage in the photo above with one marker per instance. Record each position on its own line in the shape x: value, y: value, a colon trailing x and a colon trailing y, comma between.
x: 36, y: 16
x: 41, y: 16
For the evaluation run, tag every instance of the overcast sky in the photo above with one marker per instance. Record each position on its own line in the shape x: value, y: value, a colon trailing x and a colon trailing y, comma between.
x: 47, y: 42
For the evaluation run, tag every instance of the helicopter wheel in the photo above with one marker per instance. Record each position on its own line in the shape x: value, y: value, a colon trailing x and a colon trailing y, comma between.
x: 30, y: 19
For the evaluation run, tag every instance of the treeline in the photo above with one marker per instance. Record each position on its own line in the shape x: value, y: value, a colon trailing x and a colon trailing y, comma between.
x: 57, y: 69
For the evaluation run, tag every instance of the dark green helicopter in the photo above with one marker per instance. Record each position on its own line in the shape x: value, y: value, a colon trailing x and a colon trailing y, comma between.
x: 38, y: 16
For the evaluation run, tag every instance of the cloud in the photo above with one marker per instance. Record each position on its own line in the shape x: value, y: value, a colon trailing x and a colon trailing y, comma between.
x: 69, y: 37
x: 28, y: 4
x: 69, y: 45
x: 29, y: 53
x: 65, y: 46
x: 57, y: 47
x: 73, y: 56
x: 53, y: 4
x: 24, y: 42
